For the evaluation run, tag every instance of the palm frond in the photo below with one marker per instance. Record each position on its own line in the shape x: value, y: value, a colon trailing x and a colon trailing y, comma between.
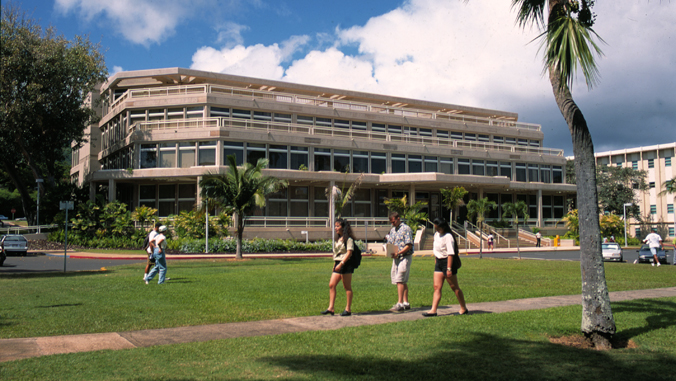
x: 530, y: 12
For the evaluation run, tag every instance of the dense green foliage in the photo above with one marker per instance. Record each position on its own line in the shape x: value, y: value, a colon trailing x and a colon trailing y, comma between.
x: 412, y: 215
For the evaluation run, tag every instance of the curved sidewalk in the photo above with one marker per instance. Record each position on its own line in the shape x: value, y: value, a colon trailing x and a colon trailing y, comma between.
x: 15, y: 349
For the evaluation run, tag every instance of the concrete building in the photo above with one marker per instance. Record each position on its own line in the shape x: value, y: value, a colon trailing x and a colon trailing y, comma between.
x: 657, y: 162
x: 161, y: 130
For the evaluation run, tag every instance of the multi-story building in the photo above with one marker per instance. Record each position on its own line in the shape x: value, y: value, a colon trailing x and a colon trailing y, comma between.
x: 162, y: 130
x: 656, y: 161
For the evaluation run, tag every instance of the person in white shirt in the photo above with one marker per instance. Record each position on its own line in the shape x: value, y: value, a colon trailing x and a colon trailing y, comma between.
x: 446, y: 266
x: 159, y: 245
x: 538, y: 237
x: 149, y: 249
x: 655, y: 242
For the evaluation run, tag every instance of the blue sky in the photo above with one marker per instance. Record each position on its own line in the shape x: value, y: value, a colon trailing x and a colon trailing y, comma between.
x: 470, y: 54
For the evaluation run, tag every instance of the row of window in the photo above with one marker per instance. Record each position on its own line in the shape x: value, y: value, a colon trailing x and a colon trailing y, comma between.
x: 116, y: 129
x: 189, y: 154
x: 670, y: 209
x: 637, y: 232
x: 634, y: 163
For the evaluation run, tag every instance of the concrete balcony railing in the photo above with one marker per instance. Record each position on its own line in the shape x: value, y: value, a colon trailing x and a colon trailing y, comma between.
x: 248, y: 124
x: 337, y: 104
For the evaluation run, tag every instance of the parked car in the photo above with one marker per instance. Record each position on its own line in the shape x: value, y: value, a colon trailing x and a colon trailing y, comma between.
x: 14, y: 243
x: 644, y: 255
x: 3, y: 217
x: 21, y: 219
x: 612, y: 252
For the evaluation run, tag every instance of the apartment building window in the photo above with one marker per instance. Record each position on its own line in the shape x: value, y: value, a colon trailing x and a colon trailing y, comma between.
x: 320, y: 202
x: 278, y: 156
x: 305, y: 120
x: 299, y: 201
x: 557, y: 174
x: 299, y: 157
x: 262, y: 116
x: 398, y: 163
x: 148, y: 156
x: 667, y: 162
x: 322, y: 159
x: 651, y: 185
x: 670, y: 208
x: 558, y: 206
x: 358, y: 126
x: 431, y: 163
x: 219, y: 112
x: 414, y: 163
x: 463, y: 167
x: 167, y: 200
x: 634, y: 165
x: 671, y: 231
x: 175, y: 113
x: 534, y: 143
x: 653, y: 209
x: 410, y: 131
x: 470, y: 137
x: 323, y: 123
x: 282, y: 118
x: 483, y: 138
x: 156, y: 114
x: 207, y: 153
x: 276, y: 204
x: 378, y: 162
x: 546, y: 174
x: 498, y: 139
x: 187, y: 194
x: 446, y: 165
x: 442, y: 134
x: 344, y: 124
x: 186, y: 154
x: 506, y: 169
x: 362, y: 203
x: 254, y: 151
x: 491, y: 168
x: 394, y: 130
x: 147, y: 195
x: 637, y: 232
x: 233, y: 148
x: 511, y: 141
x: 521, y: 174
x: 341, y: 161
x: 523, y: 142
x: 379, y: 130
x: 533, y: 173
x: 651, y: 163
x: 426, y: 132
x: 194, y: 112
x: 241, y: 114
x: 456, y: 135
x: 167, y: 155
x: 360, y: 162
x: 478, y: 167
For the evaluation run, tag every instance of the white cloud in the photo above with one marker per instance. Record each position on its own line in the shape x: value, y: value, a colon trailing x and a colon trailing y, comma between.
x: 230, y: 34
x: 140, y: 21
x: 116, y: 69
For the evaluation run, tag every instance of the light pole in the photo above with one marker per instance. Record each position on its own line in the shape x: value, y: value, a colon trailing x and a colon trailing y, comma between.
x: 37, y: 219
x: 624, y: 207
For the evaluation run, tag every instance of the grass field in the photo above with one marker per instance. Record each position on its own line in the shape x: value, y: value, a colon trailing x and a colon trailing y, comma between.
x: 508, y: 346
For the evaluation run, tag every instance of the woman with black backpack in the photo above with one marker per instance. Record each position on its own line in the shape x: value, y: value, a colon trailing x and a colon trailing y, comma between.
x: 343, y: 248
x: 446, y: 265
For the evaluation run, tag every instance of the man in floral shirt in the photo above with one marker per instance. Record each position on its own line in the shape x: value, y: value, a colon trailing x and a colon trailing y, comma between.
x: 402, y: 237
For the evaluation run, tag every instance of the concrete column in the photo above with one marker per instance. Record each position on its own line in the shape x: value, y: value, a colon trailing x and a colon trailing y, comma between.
x: 198, y: 197
x: 539, y: 208
x: 411, y: 195
x: 332, y: 210
x: 111, y: 190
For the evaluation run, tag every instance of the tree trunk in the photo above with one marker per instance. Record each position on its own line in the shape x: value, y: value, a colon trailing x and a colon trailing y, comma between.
x: 597, y: 317
x: 240, y: 232
x: 518, y: 246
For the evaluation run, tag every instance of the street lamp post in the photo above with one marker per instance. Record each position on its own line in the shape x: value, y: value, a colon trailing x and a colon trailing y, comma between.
x: 624, y: 207
x: 37, y: 219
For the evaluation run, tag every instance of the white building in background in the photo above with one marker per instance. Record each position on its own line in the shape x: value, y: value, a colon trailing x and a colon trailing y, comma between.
x: 161, y: 130
x: 657, y: 161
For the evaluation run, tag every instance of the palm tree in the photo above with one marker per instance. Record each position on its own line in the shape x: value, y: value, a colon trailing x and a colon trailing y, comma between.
x: 568, y: 41
x: 669, y: 187
x: 240, y: 190
x: 411, y: 214
x: 453, y: 198
x: 516, y: 210
x: 480, y: 208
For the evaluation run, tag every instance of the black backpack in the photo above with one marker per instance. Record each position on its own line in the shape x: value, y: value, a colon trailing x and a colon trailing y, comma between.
x: 355, y: 258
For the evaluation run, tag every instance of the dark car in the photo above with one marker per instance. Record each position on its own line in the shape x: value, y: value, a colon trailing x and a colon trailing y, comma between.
x: 644, y: 255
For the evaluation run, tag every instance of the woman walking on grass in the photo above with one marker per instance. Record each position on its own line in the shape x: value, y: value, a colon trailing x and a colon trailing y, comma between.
x: 446, y: 265
x: 343, y: 248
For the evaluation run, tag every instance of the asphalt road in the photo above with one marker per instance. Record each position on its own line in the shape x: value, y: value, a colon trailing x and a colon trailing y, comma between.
x: 630, y: 255
x: 32, y: 263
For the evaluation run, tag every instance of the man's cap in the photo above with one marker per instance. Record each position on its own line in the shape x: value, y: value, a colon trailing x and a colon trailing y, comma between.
x: 162, y: 228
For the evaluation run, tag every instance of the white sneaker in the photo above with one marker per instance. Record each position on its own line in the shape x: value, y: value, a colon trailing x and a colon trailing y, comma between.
x: 659, y: 264
x: 397, y: 307
x: 145, y: 276
x: 407, y: 306
x: 653, y: 263
x: 636, y: 261
x: 146, y: 281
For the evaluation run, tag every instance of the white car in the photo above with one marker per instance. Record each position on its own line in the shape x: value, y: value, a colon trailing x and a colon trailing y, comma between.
x: 14, y: 243
x: 612, y: 252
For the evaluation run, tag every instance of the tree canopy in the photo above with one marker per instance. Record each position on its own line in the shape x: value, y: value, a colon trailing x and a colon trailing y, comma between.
x: 616, y: 188
x: 45, y: 83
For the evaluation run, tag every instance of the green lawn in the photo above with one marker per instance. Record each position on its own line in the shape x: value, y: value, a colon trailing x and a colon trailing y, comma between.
x: 218, y: 291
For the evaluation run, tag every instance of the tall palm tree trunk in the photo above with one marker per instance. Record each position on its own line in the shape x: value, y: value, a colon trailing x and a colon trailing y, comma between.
x: 240, y: 233
x: 598, y: 323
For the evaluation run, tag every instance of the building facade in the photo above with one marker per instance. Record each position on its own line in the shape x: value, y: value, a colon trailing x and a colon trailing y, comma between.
x: 161, y: 130
x: 657, y: 162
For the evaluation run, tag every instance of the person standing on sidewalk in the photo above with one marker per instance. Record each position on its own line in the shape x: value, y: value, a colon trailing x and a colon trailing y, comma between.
x: 159, y: 245
x: 446, y: 266
x: 655, y: 242
x: 538, y: 236
x: 343, y: 248
x: 149, y: 249
x: 402, y: 237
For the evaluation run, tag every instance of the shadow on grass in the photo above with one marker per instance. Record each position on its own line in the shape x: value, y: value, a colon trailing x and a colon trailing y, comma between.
x: 61, y: 305
x: 27, y: 274
x: 485, y: 357
x: 662, y: 314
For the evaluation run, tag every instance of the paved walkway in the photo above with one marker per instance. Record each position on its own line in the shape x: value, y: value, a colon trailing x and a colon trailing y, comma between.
x: 15, y: 349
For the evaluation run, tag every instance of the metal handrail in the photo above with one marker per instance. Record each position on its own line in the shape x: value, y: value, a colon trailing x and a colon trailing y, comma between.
x: 313, y: 101
x: 269, y: 126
